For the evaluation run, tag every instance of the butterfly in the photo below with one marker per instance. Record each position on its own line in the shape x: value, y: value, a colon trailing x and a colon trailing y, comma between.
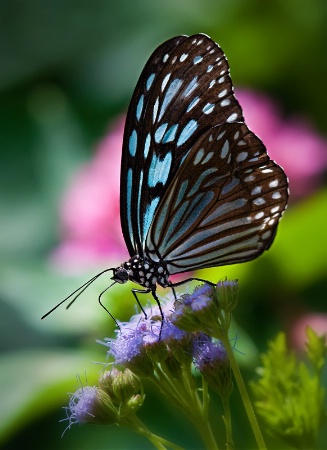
x: 198, y: 188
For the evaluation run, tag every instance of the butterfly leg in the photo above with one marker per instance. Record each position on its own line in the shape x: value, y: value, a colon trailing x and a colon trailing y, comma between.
x: 140, y: 291
x: 180, y: 283
x: 154, y: 295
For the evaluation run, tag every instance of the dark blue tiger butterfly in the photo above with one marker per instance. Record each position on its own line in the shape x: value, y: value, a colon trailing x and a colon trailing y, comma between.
x: 197, y: 186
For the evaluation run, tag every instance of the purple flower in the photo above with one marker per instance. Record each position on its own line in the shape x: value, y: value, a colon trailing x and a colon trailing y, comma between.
x: 211, y: 359
x: 90, y: 404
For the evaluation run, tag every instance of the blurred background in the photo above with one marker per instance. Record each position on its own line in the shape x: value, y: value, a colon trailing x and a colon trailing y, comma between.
x: 67, y: 72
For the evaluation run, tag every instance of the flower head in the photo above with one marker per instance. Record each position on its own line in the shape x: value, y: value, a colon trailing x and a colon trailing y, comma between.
x: 211, y: 359
x: 91, y: 404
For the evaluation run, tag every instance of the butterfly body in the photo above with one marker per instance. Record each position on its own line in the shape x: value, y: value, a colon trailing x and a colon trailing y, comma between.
x: 143, y: 271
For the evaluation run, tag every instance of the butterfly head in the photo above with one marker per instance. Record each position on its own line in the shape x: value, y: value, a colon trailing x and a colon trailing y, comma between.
x: 120, y: 275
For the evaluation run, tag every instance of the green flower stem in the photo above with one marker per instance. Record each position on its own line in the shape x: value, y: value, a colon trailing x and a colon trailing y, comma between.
x: 135, y: 424
x: 243, y: 392
x: 228, y: 423
x: 182, y: 393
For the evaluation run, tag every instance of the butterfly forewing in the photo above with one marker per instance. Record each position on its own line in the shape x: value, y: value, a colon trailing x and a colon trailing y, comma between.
x: 183, y: 91
x: 223, y: 205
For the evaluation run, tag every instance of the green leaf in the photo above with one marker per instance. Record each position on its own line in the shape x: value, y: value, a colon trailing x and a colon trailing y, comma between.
x: 35, y: 382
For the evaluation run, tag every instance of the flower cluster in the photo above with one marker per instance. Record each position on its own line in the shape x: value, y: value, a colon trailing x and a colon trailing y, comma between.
x: 164, y: 350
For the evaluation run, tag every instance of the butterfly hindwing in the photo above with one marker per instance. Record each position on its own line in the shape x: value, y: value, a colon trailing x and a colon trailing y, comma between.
x: 223, y: 204
x: 183, y: 91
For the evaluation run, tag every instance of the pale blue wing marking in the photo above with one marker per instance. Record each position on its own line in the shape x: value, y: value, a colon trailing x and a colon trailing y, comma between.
x: 160, y: 132
x: 159, y: 169
x: 148, y: 216
x: 170, y: 134
x: 133, y: 143
x: 191, y: 86
x: 172, y: 90
x: 147, y: 145
x: 194, y: 102
x: 139, y: 107
x: 187, y: 132
x: 150, y: 81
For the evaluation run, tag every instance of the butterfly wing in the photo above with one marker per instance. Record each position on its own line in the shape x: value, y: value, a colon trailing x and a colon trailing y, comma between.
x: 223, y: 205
x: 183, y: 91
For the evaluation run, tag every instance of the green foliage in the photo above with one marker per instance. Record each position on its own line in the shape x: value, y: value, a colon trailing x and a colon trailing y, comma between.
x: 289, y: 395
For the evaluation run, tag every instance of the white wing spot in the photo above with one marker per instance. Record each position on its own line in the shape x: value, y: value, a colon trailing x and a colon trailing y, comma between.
x: 209, y: 107
x: 197, y: 59
x: 222, y: 93
x: 209, y: 69
x: 198, y: 156
x: 193, y: 103
x: 225, y: 102
x: 211, y: 83
x: 249, y: 179
x: 221, y: 135
x: 207, y: 158
x: 274, y: 209
x: 183, y: 57
x: 165, y: 81
x: 259, y: 215
x: 165, y: 58
x: 271, y: 222
x: 232, y: 117
x: 224, y: 150
x: 155, y: 110
x: 242, y: 156
x: 241, y: 142
x: 257, y: 190
x: 174, y: 59
x: 259, y: 201
x: 276, y: 195
x: 221, y: 80
x: 222, y: 72
x: 236, y: 135
x: 273, y: 184
x: 267, y: 171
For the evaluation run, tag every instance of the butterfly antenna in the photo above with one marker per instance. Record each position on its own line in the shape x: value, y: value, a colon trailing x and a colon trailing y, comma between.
x: 99, y: 298
x: 78, y: 292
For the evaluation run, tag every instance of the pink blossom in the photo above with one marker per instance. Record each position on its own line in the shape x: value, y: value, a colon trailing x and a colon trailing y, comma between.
x: 318, y: 322
x: 291, y: 142
x: 89, y: 212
